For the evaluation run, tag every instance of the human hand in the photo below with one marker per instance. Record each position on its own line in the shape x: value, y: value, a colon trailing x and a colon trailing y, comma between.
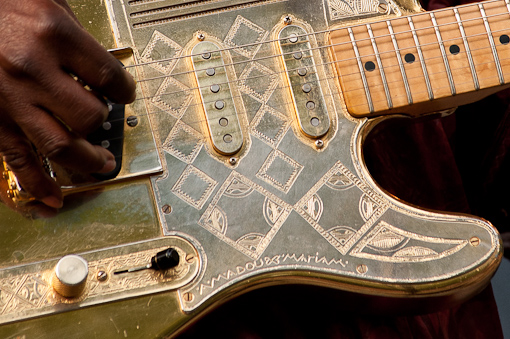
x: 42, y: 43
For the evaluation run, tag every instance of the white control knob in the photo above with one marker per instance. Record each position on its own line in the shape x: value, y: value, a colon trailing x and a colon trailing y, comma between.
x: 70, y: 276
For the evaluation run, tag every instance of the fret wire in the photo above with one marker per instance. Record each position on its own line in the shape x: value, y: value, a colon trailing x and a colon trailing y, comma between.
x: 160, y: 111
x: 319, y: 48
x: 402, y: 32
x: 468, y: 51
x: 424, y: 91
x: 361, y: 70
x: 264, y: 75
x: 400, y: 63
x: 422, y: 61
x: 313, y: 49
x: 325, y: 32
x: 381, y: 68
x: 493, y: 46
x: 443, y: 53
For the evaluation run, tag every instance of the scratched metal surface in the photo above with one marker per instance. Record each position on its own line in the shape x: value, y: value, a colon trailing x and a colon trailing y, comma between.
x: 285, y: 209
x: 283, y: 203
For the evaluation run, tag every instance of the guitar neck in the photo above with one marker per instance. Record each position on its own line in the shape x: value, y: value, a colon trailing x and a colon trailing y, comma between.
x: 424, y: 62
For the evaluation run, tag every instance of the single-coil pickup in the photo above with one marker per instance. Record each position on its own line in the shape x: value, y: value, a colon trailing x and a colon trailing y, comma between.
x: 304, y: 81
x: 217, y: 100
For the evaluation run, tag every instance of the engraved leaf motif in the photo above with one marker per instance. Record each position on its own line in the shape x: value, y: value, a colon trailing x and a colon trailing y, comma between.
x: 415, y: 251
x: 272, y: 211
x: 339, y: 181
x: 4, y: 298
x: 342, y: 234
x: 344, y: 7
x: 218, y: 220
x: 250, y: 241
x: 238, y: 189
x: 367, y: 207
x: 387, y: 240
x: 314, y: 207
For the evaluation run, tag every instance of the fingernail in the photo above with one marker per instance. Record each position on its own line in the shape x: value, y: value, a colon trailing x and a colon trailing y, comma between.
x: 109, y: 166
x: 52, y: 202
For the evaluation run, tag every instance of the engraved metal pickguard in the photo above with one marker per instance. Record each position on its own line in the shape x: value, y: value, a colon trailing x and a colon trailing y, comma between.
x: 285, y: 208
x: 285, y: 204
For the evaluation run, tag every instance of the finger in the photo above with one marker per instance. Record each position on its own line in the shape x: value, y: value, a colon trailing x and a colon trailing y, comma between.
x: 90, y: 62
x: 17, y: 152
x: 65, y: 6
x: 57, y: 143
x: 77, y: 107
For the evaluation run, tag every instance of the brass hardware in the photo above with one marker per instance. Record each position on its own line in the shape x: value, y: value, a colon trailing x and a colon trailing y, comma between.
x: 217, y: 101
x: 304, y: 82
x: 132, y: 121
x: 167, y: 209
x: 69, y: 277
x: 102, y: 276
x: 474, y: 241
x: 362, y: 269
x: 188, y: 296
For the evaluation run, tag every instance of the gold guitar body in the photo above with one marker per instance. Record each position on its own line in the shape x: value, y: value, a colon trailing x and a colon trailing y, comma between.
x: 277, y: 197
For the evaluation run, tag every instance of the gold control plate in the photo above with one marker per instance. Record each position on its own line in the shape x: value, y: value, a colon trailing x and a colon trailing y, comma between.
x: 27, y: 292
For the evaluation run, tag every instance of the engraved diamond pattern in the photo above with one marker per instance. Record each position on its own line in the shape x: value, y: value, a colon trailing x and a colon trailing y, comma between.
x: 267, y: 215
x: 333, y: 196
x: 244, y: 32
x: 183, y: 142
x: 258, y: 81
x: 194, y: 187
x: 161, y: 53
x: 172, y: 97
x: 280, y: 171
x: 269, y: 126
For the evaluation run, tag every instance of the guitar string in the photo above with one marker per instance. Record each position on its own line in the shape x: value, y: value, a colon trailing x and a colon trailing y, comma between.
x: 290, y: 119
x: 391, y: 51
x: 280, y: 87
x: 320, y: 64
x: 455, y: 23
x: 348, y: 43
x: 272, y: 56
x: 293, y: 117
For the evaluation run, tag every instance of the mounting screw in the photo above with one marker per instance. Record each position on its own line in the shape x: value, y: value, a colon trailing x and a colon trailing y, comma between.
x: 190, y: 258
x: 362, y: 269
x: 200, y: 36
x: 188, y: 296
x: 167, y: 209
x: 474, y: 241
x: 319, y: 143
x: 287, y: 20
x: 132, y: 121
x: 232, y: 161
x: 383, y: 7
x: 102, y: 276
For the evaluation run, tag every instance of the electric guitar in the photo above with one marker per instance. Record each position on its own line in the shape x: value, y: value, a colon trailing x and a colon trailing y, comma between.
x: 242, y: 166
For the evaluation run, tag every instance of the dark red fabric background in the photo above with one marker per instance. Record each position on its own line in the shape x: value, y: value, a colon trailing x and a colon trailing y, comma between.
x: 459, y: 163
